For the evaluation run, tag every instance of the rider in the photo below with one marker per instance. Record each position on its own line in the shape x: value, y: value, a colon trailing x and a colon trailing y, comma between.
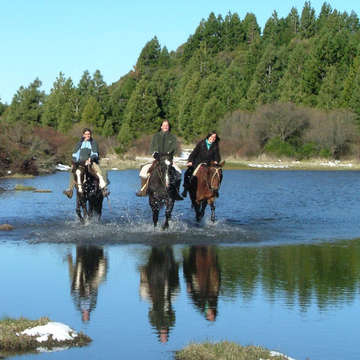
x: 86, y: 150
x: 162, y: 142
x: 205, y: 151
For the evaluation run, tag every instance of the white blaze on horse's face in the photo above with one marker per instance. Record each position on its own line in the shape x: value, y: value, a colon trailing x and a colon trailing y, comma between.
x: 167, y: 178
x: 78, y: 179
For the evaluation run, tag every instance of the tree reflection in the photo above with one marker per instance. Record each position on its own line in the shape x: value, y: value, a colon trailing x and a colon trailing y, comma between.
x: 159, y: 284
x: 86, y: 274
x: 328, y: 272
x: 202, y: 275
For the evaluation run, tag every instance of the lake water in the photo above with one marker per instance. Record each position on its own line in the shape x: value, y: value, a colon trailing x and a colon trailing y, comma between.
x: 279, y: 268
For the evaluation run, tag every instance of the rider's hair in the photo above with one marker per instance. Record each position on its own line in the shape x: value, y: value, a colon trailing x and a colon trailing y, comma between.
x: 212, y: 133
x: 85, y: 130
x: 165, y: 120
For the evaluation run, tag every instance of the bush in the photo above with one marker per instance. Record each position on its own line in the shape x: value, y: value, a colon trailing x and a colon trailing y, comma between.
x: 279, y: 148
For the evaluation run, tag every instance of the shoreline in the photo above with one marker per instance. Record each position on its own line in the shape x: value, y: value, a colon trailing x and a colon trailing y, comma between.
x: 114, y: 162
x: 231, y: 163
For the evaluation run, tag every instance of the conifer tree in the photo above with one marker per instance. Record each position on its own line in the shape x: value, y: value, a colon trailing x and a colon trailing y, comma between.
x: 26, y: 105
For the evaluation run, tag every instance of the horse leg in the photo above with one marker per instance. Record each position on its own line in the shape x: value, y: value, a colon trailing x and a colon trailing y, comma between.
x: 212, y: 207
x: 155, y: 207
x: 169, y: 208
x: 155, y: 216
x: 78, y: 209
x: 197, y: 209
x: 202, y: 210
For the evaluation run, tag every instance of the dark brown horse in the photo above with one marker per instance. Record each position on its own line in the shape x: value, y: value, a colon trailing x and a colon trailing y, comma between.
x: 89, y: 197
x: 204, y: 188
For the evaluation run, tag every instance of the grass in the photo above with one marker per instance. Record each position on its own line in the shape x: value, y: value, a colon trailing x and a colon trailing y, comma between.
x: 19, y: 176
x: 6, y: 227
x: 19, y: 187
x: 225, y: 351
x: 12, y: 342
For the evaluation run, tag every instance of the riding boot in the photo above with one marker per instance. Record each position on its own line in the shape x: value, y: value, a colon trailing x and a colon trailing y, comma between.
x: 69, y: 191
x: 144, y: 186
x: 186, y: 185
x: 174, y: 189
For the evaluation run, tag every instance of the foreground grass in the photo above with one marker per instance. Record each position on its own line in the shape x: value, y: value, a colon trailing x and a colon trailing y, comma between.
x: 13, y: 342
x: 225, y: 351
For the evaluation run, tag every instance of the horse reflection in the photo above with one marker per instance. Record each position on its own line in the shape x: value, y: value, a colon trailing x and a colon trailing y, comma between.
x: 202, y: 275
x: 159, y: 284
x: 86, y: 274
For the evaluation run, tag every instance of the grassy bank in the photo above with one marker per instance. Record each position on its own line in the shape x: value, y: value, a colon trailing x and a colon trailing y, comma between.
x: 226, y: 351
x: 13, y: 341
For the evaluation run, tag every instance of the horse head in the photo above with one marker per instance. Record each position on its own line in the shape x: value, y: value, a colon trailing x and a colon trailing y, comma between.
x: 79, y: 174
x: 163, y: 168
x: 215, y: 176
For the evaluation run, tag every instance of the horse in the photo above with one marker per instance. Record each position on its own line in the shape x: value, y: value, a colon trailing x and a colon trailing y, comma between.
x: 89, y: 197
x: 204, y: 188
x: 160, y: 188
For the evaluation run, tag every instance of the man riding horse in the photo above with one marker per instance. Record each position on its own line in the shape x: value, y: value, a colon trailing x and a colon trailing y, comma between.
x: 163, y: 142
x: 206, y: 151
x: 86, y: 152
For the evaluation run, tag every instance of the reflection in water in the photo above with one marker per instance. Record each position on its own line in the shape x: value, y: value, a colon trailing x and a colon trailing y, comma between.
x: 328, y: 273
x: 202, y: 275
x: 159, y: 284
x: 88, y: 272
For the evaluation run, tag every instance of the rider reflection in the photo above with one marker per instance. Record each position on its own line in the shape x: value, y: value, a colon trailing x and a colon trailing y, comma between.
x: 202, y: 275
x: 159, y: 284
x: 88, y: 272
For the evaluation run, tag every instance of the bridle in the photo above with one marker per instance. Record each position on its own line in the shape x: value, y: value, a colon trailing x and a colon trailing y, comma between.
x: 217, y: 172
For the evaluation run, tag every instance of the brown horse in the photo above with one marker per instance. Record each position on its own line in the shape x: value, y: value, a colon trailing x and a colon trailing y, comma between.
x: 204, y: 188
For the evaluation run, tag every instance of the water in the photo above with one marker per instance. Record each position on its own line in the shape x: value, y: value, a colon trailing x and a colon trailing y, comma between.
x: 280, y: 267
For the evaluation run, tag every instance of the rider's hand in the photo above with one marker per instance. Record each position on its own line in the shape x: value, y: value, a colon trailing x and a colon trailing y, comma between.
x: 189, y: 163
x: 88, y: 162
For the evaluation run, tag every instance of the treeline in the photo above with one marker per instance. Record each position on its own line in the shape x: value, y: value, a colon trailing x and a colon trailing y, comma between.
x: 284, y: 90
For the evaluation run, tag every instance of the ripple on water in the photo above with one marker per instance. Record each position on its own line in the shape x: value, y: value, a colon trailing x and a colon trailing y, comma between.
x: 125, y: 231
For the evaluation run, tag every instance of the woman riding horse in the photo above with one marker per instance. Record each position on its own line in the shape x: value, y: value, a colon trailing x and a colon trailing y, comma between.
x: 86, y: 151
x: 163, y: 142
x: 206, y: 151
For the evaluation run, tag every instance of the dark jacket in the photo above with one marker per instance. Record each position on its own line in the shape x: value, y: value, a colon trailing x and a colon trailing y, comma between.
x: 82, y: 154
x: 163, y: 142
x: 201, y: 154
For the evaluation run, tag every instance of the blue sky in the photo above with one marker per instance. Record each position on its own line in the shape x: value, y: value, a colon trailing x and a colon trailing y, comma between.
x: 41, y: 38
